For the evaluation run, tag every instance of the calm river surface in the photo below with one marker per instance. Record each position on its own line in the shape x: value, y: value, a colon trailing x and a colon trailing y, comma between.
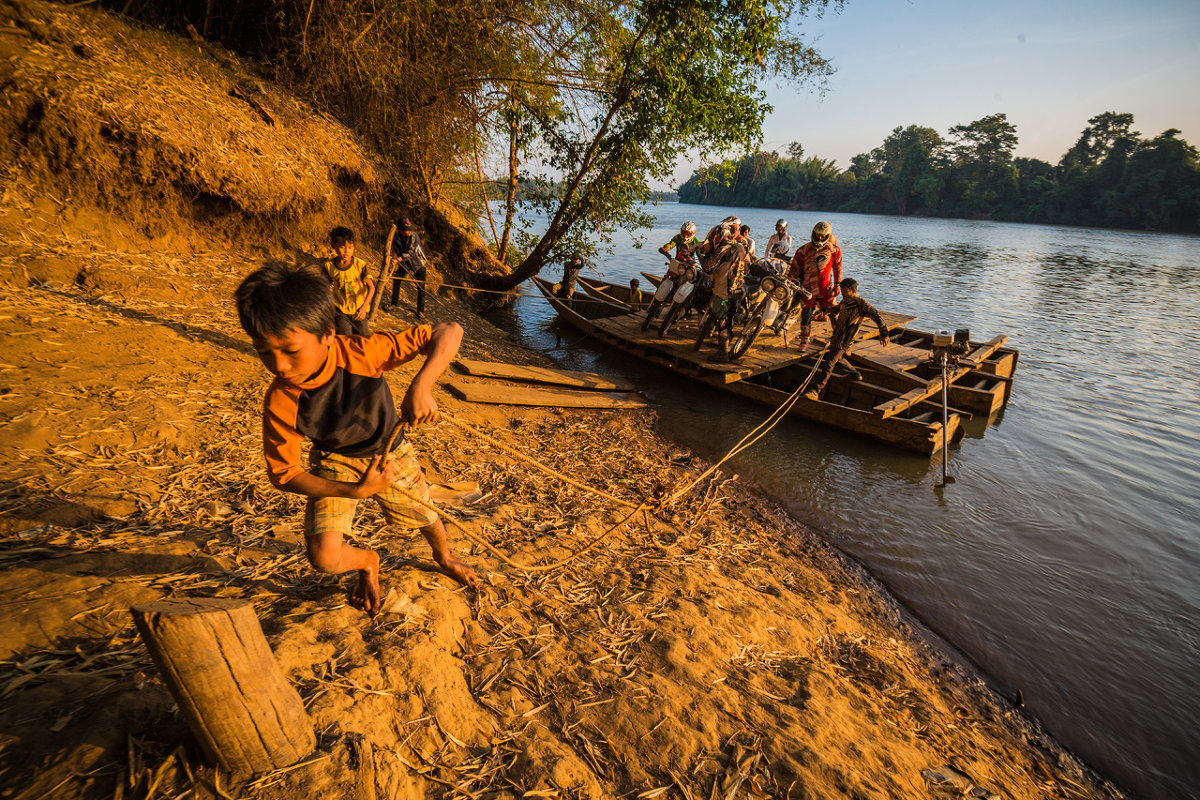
x: 1065, y: 561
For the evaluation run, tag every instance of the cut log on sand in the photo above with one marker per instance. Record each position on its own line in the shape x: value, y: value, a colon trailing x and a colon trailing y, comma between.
x: 214, y: 658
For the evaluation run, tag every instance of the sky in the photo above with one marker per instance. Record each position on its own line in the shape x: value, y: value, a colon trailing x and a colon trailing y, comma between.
x: 1049, y: 66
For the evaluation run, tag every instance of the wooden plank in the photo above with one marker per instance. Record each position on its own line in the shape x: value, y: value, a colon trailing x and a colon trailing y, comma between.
x: 985, y: 351
x: 893, y: 358
x: 504, y: 394
x: 911, y: 398
x: 556, y: 377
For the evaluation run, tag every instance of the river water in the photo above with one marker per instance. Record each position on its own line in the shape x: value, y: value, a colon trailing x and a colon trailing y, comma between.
x: 1065, y: 560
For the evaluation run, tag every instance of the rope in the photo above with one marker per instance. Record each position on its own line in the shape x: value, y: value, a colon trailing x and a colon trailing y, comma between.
x: 535, y: 463
x: 745, y: 443
x: 753, y: 436
x: 504, y: 557
x: 431, y: 286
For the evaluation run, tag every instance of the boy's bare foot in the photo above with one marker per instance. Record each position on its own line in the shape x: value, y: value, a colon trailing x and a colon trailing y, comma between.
x: 460, y: 571
x: 366, y: 593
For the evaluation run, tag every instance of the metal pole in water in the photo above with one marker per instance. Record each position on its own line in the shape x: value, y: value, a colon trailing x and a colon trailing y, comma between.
x: 946, y: 479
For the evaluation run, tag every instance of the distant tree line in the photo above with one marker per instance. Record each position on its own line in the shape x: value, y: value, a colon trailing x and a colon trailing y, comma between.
x: 1111, y: 177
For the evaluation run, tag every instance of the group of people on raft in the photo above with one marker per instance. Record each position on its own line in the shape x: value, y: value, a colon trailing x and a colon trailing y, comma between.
x: 727, y: 253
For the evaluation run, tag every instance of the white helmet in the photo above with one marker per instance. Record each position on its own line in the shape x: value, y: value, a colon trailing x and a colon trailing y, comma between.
x: 687, y: 228
x: 781, y: 223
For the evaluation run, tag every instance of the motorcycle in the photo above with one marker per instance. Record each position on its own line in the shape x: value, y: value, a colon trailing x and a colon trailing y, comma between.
x: 771, y: 296
x: 694, y: 293
x: 679, y: 274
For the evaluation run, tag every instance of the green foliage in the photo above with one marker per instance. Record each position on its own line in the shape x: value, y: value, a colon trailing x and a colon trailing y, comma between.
x: 655, y: 79
x: 1110, y: 177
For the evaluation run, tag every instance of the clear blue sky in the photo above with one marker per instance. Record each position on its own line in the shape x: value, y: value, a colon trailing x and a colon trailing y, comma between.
x: 938, y: 63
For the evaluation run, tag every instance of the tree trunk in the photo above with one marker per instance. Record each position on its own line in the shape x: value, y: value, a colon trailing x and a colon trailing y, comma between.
x: 510, y: 194
x: 213, y: 656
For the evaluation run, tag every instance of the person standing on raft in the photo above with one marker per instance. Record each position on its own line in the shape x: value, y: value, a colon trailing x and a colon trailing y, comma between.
x: 817, y: 266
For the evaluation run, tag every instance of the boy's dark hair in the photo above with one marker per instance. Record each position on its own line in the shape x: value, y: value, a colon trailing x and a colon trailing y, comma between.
x: 340, y: 234
x: 849, y: 284
x: 744, y: 229
x: 278, y: 297
x: 634, y: 282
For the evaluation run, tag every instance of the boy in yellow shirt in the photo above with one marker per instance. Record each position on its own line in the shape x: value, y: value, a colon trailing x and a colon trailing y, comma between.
x: 352, y: 286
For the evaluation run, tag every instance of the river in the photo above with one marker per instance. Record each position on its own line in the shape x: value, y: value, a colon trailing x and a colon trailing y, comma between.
x: 1065, y: 560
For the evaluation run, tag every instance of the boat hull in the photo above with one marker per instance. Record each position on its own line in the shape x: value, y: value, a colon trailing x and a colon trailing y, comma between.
x: 846, y: 404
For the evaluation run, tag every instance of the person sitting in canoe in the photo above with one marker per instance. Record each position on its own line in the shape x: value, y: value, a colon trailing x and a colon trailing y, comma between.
x: 679, y: 265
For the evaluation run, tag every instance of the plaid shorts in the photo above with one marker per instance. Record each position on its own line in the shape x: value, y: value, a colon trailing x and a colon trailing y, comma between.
x: 337, y: 513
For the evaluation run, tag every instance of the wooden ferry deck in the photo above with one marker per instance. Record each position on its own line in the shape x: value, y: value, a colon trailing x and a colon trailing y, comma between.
x: 677, y: 348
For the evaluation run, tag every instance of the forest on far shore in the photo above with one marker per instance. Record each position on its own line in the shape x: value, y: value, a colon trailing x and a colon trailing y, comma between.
x: 1110, y: 177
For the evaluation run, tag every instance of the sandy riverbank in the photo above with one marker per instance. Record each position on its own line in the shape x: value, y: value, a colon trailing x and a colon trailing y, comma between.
x: 729, y: 651
x: 722, y: 651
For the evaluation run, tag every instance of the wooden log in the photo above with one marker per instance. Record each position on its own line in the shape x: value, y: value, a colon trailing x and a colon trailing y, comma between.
x: 213, y: 656
x: 478, y: 392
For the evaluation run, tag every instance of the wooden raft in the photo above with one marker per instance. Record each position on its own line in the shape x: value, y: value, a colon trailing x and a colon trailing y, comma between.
x: 213, y: 656
x: 501, y: 394
x: 557, y: 377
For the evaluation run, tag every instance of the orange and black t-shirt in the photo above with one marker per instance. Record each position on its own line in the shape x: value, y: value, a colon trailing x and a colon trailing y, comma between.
x: 346, y: 408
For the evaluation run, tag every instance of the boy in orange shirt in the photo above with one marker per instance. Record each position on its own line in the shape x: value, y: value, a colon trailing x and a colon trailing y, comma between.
x: 331, y: 390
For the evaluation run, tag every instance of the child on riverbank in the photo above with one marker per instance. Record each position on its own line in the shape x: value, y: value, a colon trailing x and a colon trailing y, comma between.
x: 352, y: 286
x: 331, y: 389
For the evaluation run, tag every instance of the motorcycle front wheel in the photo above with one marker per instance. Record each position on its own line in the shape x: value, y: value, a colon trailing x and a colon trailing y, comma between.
x: 650, y: 313
x: 669, y: 319
x: 749, y: 332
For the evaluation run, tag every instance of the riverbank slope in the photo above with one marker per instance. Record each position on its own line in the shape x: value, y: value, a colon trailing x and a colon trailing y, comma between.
x: 720, y: 650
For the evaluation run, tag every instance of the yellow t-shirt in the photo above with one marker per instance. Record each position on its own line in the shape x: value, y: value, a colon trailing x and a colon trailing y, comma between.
x: 349, y: 285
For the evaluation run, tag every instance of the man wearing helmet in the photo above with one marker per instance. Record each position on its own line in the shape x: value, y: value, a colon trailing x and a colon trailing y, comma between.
x: 780, y: 243
x: 685, y: 245
x: 715, y: 238
x: 728, y: 269
x: 817, y: 266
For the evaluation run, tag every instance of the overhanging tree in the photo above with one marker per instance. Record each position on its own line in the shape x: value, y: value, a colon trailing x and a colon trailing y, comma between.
x: 661, y: 78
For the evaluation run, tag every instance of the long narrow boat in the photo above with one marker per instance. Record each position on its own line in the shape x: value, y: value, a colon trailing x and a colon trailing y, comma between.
x: 590, y: 304
x: 771, y: 372
x: 609, y: 292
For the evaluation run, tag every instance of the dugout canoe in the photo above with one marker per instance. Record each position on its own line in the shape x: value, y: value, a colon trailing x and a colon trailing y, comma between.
x: 587, y: 303
x: 769, y: 374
